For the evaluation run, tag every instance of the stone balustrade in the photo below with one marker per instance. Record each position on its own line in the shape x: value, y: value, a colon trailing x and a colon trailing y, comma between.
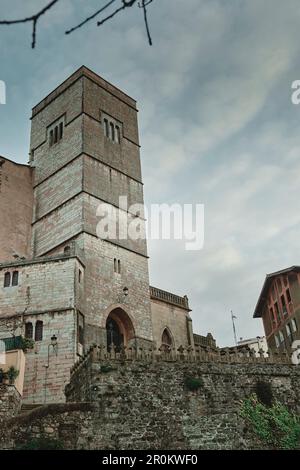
x: 168, y: 297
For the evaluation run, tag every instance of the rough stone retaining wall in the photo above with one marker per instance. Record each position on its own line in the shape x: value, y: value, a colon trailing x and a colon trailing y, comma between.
x: 146, y: 405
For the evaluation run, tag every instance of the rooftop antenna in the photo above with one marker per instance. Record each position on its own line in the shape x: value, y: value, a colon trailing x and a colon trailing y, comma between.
x: 233, y: 317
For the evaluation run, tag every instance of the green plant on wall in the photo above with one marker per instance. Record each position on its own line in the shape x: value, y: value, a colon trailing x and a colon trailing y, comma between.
x: 12, y: 374
x: 275, y: 426
x: 106, y: 368
x: 26, y: 344
x: 41, y: 443
x: 193, y: 383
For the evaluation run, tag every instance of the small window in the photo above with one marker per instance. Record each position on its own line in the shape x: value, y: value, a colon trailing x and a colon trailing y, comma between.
x: 272, y: 315
x: 38, y: 331
x: 80, y: 329
x: 288, y: 295
x: 115, y: 265
x: 277, y: 312
x: 15, y: 278
x: 119, y: 266
x: 28, y: 330
x: 51, y: 138
x: 288, y: 329
x: 67, y: 250
x: 7, y: 277
x: 294, y: 325
x: 276, y: 341
x: 61, y: 130
x: 112, y: 131
x: 55, y: 134
x: 118, y: 135
x: 106, y: 128
x: 284, y: 309
x: 281, y: 337
x: 79, y: 276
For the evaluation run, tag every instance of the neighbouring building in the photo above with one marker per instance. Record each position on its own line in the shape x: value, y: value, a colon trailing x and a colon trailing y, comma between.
x: 61, y: 284
x: 257, y: 344
x: 279, y: 307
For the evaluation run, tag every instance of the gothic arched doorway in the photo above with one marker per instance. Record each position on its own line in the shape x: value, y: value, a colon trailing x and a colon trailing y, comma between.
x: 166, y: 340
x: 119, y: 329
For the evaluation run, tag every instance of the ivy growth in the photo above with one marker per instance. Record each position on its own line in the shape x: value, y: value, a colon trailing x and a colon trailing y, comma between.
x: 275, y: 426
x: 193, y: 383
x: 41, y: 443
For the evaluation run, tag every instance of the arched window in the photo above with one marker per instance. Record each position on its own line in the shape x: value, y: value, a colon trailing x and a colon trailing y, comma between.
x: 28, y: 330
x: 67, y: 250
x: 38, y: 331
x: 118, y: 136
x: 15, y: 278
x: 119, y: 266
x: 166, y: 338
x: 7, y: 279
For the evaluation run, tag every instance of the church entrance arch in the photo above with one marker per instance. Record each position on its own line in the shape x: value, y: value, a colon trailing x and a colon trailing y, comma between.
x: 119, y: 329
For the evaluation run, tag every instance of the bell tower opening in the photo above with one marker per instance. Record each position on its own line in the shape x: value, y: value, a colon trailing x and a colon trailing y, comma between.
x: 119, y: 329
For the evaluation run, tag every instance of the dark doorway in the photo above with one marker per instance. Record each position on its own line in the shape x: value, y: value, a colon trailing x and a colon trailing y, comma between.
x: 113, y: 334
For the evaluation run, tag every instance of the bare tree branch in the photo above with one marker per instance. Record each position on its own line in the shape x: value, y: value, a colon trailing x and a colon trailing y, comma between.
x: 33, y: 19
x: 144, y: 7
x: 125, y: 4
x: 90, y: 17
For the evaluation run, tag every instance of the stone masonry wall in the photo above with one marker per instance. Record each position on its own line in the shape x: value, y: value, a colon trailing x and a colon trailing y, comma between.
x: 104, y: 287
x: 48, y: 371
x: 175, y: 319
x: 146, y: 405
x: 43, y: 286
x: 16, y: 203
x: 10, y: 401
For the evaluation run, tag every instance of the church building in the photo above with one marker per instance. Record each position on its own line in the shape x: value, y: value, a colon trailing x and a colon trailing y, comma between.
x: 61, y: 285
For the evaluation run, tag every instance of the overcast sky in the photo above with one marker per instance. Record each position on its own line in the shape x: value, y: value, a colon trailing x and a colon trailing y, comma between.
x: 217, y: 127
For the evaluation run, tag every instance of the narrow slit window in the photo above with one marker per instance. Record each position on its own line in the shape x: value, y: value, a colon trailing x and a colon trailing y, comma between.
x: 38, y: 331
x: 118, y: 136
x: 106, y: 128
x: 56, y: 134
x: 115, y: 265
x: 119, y: 266
x: 51, y: 138
x: 112, y: 131
x: 15, y: 278
x: 61, y: 130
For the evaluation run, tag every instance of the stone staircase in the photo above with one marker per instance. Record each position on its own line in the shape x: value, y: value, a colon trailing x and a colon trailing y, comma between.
x: 29, y: 407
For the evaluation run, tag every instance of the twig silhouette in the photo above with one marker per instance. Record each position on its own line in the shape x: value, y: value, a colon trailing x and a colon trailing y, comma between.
x: 33, y: 19
x: 124, y: 5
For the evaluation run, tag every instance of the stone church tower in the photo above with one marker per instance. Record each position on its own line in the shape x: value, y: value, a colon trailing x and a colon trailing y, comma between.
x: 61, y: 282
x: 85, y: 151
